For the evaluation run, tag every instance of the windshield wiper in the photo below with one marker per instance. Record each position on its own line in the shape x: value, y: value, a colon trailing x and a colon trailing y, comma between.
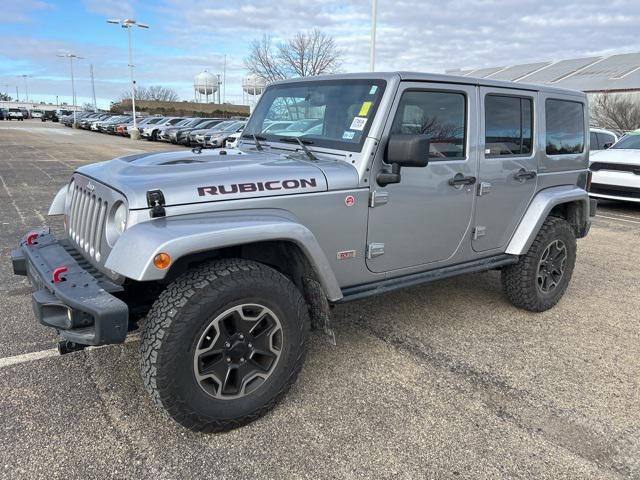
x: 303, y: 144
x: 256, y: 139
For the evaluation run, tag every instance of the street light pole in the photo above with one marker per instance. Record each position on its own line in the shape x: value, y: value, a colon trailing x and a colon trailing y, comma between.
x: 71, y: 56
x: 26, y: 86
x: 372, y: 51
x: 128, y: 24
x: 93, y: 89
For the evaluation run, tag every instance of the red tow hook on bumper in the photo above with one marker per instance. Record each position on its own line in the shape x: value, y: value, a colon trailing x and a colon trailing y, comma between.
x: 31, y: 238
x: 56, y: 275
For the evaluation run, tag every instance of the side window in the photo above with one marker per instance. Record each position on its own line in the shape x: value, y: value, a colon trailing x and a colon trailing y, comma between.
x: 593, y: 141
x: 440, y: 115
x: 565, y: 127
x: 508, y: 122
x: 605, y: 139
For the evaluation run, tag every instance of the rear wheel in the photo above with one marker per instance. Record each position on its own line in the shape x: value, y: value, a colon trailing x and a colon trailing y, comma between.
x: 541, y: 276
x: 223, y: 343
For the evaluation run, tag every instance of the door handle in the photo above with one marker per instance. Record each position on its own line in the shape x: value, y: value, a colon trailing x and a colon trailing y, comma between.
x: 460, y: 180
x: 524, y: 175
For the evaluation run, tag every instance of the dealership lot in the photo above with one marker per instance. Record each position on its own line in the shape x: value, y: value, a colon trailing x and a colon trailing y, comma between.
x: 446, y: 380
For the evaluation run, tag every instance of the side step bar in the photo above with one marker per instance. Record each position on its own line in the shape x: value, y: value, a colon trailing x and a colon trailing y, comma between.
x: 389, y: 284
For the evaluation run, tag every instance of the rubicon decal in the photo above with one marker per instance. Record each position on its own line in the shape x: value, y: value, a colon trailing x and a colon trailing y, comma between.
x: 290, y: 184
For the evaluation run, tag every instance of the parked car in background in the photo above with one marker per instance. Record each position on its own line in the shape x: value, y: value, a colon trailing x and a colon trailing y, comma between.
x: 219, y: 139
x: 3, y: 114
x: 182, y: 135
x: 36, y: 113
x: 145, y: 122
x: 170, y: 134
x: 49, y: 115
x: 15, y: 114
x: 232, y: 140
x: 150, y: 132
x: 120, y: 128
x: 201, y: 137
x: 616, y: 171
x: 601, y: 139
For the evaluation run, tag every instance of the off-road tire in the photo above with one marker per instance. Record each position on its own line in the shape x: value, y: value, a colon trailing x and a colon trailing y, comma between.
x: 520, y: 279
x: 182, y: 313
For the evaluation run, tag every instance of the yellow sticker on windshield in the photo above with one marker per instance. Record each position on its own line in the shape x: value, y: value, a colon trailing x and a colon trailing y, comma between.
x: 364, y: 110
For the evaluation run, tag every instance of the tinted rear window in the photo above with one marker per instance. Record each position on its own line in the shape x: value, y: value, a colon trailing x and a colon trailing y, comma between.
x: 565, y: 127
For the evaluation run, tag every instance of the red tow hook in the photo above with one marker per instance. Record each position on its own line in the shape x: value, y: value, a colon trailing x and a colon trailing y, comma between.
x: 32, y: 237
x: 56, y: 275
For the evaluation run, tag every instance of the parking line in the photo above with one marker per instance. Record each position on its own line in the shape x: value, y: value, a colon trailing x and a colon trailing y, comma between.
x: 28, y: 357
x: 52, y: 352
x: 618, y: 219
x: 621, y: 215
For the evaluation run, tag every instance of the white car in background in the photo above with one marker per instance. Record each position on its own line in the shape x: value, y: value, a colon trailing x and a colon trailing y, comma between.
x: 616, y: 171
x: 232, y: 140
x: 601, y: 139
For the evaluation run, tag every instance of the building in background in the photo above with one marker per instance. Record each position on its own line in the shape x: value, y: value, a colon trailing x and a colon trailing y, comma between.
x: 593, y: 75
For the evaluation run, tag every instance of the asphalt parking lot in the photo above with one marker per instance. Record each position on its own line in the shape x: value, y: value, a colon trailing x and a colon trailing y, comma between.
x: 446, y: 380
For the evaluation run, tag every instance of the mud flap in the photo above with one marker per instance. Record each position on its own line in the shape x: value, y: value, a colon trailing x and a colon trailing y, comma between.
x: 319, y: 308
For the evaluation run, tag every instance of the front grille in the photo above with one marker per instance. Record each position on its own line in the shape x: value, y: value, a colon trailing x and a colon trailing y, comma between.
x: 87, y: 220
x: 616, y: 167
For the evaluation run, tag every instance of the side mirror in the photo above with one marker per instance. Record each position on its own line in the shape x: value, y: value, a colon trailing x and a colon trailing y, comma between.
x: 404, y: 151
x: 607, y: 145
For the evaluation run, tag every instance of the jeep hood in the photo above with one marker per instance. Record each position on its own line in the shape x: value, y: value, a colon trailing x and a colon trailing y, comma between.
x: 186, y: 177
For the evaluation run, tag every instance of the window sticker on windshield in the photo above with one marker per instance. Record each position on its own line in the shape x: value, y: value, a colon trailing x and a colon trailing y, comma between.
x: 364, y: 110
x: 373, y: 90
x: 358, y: 123
x: 348, y: 135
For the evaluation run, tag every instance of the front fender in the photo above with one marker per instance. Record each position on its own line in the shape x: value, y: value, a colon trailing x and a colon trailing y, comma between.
x: 539, y: 210
x: 133, y: 253
x: 57, y: 206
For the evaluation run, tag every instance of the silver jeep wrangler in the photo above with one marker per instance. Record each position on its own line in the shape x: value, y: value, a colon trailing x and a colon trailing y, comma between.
x: 342, y: 187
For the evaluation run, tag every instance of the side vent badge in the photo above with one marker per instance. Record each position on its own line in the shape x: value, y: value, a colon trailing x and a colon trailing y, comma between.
x: 155, y: 200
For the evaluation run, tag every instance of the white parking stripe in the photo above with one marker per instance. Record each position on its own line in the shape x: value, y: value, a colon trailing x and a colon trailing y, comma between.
x: 52, y: 352
x: 27, y: 357
x: 615, y: 214
x: 618, y: 219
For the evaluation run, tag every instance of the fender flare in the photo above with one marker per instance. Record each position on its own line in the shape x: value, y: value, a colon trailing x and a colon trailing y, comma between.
x: 57, y: 205
x: 132, y: 255
x: 539, y: 210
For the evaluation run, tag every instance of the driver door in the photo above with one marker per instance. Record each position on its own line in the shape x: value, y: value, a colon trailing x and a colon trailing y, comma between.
x: 423, y: 220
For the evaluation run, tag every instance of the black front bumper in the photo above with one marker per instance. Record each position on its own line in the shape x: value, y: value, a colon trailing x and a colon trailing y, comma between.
x: 81, y: 307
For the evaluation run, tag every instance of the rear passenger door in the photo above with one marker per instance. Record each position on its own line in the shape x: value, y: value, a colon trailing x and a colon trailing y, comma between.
x: 508, y: 165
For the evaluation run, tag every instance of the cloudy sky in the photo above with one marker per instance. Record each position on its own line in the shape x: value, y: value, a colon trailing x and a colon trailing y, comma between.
x: 189, y: 36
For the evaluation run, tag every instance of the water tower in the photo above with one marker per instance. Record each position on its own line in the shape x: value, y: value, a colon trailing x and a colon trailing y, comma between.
x: 252, y: 87
x: 205, y: 84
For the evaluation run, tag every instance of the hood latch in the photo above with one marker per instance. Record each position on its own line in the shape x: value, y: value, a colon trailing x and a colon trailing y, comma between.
x: 155, y: 200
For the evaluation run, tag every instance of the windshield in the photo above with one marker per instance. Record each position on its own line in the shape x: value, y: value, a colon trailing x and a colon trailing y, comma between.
x: 328, y: 113
x: 629, y: 141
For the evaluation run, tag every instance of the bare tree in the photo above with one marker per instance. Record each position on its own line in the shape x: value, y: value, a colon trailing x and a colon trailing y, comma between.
x: 305, y: 54
x: 263, y: 60
x: 155, y: 93
x: 617, y: 112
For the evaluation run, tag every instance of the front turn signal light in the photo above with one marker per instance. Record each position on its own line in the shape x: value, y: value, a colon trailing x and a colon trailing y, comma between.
x: 162, y: 261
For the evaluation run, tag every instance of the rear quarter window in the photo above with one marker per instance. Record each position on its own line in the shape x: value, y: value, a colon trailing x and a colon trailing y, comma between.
x: 565, y: 127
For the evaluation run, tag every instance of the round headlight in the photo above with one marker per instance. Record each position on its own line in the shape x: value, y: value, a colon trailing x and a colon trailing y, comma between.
x: 120, y: 218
